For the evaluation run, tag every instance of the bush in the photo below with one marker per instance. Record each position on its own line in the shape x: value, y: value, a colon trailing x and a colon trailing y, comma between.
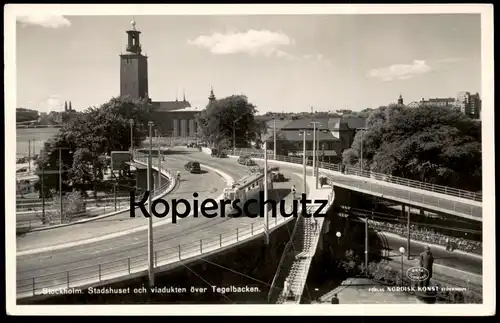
x: 73, y: 206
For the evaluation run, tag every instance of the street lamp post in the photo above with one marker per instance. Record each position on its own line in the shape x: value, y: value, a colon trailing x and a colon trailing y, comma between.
x: 131, y: 122
x: 361, y: 160
x: 234, y: 135
x: 402, y: 252
x: 317, y: 157
x: 159, y: 157
x: 338, y: 234
x: 314, y: 149
x: 266, y: 213
x: 274, y: 137
x: 60, y: 183
x: 304, y: 173
x: 150, y: 219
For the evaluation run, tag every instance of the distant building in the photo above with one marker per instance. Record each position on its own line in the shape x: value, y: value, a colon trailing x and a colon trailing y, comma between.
x: 334, y: 134
x: 68, y: 113
x: 438, y: 102
x: 171, y: 118
x: 469, y: 104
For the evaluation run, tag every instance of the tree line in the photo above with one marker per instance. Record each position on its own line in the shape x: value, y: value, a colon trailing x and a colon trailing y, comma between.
x: 431, y: 144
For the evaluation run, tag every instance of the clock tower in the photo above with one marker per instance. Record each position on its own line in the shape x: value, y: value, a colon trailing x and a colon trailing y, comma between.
x: 134, y: 68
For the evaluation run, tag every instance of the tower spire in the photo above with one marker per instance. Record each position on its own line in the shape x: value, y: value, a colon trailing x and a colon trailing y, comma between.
x: 400, y: 99
x: 184, y: 95
x: 211, y: 97
x: 133, y: 45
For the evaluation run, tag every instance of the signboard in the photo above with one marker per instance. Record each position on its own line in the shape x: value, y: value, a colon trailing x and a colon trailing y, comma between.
x: 119, y: 158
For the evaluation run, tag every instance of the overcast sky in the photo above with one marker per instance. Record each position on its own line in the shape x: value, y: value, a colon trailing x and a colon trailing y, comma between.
x: 282, y: 63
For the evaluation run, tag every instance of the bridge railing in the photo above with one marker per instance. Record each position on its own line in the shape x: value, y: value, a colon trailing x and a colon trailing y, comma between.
x: 368, y: 174
x: 96, y: 207
x: 164, y: 255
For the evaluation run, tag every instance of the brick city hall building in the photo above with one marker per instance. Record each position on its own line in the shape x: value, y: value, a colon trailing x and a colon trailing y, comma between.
x: 171, y: 118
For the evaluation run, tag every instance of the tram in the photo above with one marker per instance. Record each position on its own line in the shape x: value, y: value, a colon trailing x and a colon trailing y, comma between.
x: 245, y: 189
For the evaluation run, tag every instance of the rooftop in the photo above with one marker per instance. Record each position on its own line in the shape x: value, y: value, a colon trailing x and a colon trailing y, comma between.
x: 164, y: 106
x: 296, y: 135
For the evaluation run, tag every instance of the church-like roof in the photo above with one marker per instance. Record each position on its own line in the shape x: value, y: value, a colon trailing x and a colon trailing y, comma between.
x: 165, y: 106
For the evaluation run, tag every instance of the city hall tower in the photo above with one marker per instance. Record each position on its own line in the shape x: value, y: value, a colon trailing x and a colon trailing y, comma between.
x: 134, y: 67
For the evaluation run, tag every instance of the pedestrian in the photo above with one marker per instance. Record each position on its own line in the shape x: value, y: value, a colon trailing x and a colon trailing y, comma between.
x: 285, y: 288
x: 426, y: 261
x: 293, y: 191
x: 335, y: 299
x: 448, y: 244
x: 314, y: 223
x: 342, y: 169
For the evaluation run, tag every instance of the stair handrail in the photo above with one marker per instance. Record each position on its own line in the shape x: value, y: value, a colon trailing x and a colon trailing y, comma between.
x: 283, y: 256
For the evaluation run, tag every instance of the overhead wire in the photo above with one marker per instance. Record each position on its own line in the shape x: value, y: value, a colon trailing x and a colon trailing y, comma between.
x: 209, y: 284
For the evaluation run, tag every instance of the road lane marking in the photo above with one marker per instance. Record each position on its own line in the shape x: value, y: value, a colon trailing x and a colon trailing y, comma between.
x: 227, y: 178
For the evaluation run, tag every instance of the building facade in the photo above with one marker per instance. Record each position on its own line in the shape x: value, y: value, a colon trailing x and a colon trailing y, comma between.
x: 469, y: 104
x: 333, y: 136
x: 171, y: 118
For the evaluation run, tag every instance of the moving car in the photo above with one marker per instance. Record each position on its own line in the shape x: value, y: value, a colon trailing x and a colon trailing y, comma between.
x: 193, y: 167
x: 250, y: 162
x: 218, y: 153
x: 278, y: 177
x: 242, y: 160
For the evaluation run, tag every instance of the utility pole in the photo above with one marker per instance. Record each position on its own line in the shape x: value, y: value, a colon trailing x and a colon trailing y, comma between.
x: 131, y: 122
x: 266, y: 211
x: 304, y: 174
x: 408, y: 242
x: 60, y: 184
x: 366, y: 242
x: 150, y: 219
x: 43, y: 195
x: 234, y: 138
x: 29, y: 156
x: 159, y: 157
x: 274, y: 141
x: 315, y: 175
x: 114, y: 194
x: 361, y: 161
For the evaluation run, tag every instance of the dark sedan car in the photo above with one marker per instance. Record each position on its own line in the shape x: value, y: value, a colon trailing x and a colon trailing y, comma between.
x: 193, y: 167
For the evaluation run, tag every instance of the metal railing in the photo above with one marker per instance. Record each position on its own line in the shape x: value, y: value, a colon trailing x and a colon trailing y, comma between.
x: 368, y: 174
x: 97, y: 210
x: 95, y: 274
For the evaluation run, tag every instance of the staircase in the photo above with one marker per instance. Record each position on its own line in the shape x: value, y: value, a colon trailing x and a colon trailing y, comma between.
x: 299, y: 258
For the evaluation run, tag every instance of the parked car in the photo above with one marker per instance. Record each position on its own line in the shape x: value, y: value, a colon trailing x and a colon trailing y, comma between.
x: 193, y: 167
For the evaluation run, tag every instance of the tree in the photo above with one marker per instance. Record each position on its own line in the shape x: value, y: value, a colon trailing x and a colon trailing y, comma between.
x: 86, y: 140
x: 429, y: 144
x: 73, y: 206
x: 219, y: 118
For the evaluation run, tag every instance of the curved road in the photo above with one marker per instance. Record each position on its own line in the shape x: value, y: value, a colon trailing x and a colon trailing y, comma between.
x: 186, y: 231
x: 208, y: 185
x: 451, y: 259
